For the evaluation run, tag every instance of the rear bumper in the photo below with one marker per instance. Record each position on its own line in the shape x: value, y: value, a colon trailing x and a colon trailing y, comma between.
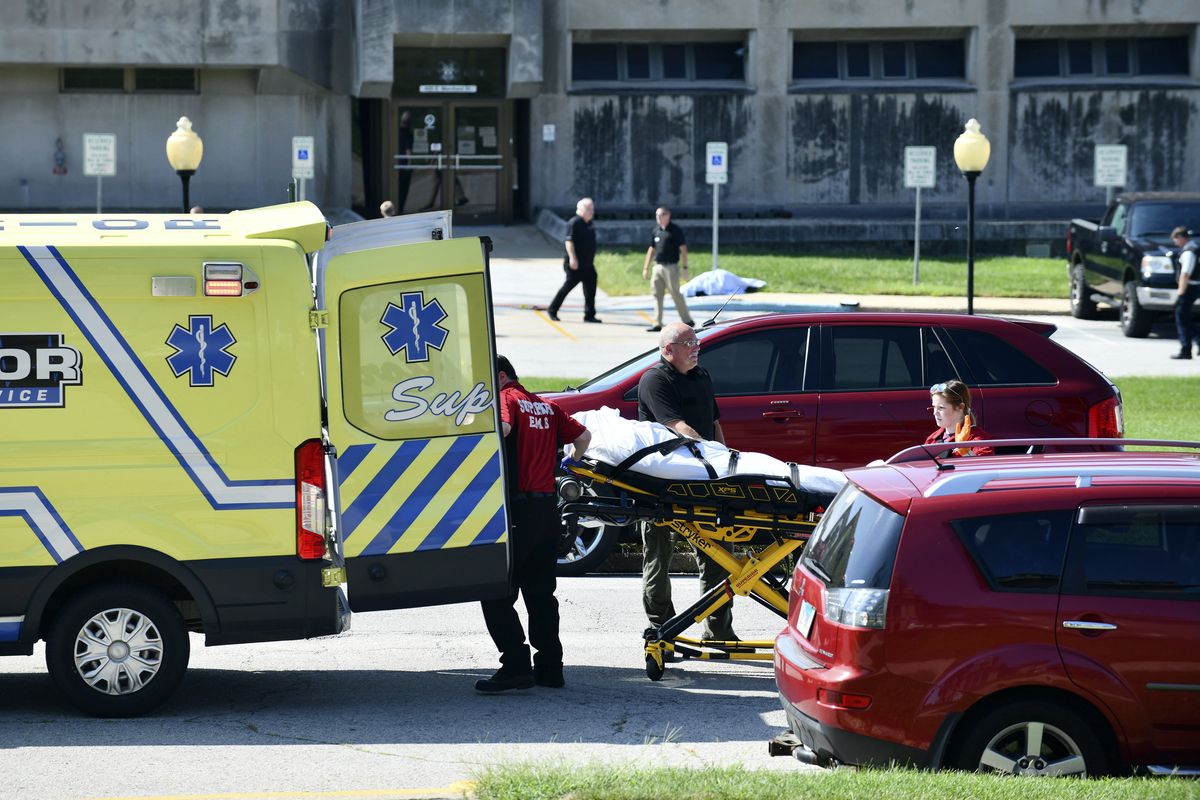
x: 831, y: 744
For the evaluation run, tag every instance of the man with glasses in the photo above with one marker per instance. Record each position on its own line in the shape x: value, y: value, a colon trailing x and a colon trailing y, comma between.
x: 678, y: 393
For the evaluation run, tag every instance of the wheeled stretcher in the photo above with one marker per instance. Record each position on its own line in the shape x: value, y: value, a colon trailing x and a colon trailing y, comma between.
x: 769, y: 517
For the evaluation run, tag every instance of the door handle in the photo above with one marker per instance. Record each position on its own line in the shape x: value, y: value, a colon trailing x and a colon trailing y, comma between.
x: 789, y: 414
x: 1085, y: 625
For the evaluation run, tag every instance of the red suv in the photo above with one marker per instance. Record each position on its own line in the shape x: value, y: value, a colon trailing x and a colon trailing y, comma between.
x: 1031, y: 614
x: 843, y: 389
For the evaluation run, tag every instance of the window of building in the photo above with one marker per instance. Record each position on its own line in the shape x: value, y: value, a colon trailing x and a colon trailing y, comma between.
x: 884, y: 60
x: 93, y: 79
x: 164, y: 80
x: 637, y: 62
x: 122, y: 79
x: 1092, y: 58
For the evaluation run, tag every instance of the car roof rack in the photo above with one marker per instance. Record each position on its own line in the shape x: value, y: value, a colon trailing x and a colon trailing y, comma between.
x: 930, y: 452
x: 957, y: 483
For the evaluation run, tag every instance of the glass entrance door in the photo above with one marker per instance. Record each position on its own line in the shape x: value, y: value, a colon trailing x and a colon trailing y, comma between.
x: 452, y: 156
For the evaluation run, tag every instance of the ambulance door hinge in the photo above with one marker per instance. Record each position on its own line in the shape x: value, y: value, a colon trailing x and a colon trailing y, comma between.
x: 318, y: 319
x: 333, y: 576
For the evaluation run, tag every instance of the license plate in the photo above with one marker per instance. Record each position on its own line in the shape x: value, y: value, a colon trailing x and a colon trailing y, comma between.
x: 807, y: 613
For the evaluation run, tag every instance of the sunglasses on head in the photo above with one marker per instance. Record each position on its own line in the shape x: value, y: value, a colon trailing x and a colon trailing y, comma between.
x: 937, y: 388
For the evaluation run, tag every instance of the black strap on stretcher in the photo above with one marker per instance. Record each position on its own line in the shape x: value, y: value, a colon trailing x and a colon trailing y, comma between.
x: 662, y: 448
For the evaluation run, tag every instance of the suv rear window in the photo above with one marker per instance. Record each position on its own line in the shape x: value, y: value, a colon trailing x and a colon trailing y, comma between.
x: 854, y: 546
x: 1018, y: 552
x: 995, y: 362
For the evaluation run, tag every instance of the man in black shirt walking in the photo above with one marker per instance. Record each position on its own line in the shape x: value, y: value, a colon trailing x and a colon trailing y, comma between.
x: 579, y: 262
x: 668, y: 248
x: 678, y: 393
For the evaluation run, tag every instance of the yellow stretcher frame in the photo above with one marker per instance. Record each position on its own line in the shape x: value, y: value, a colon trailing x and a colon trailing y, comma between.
x: 704, y: 525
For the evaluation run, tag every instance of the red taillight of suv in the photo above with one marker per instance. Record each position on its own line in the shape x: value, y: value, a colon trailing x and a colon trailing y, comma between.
x: 1069, y: 241
x: 1106, y: 419
x: 310, y: 500
x: 854, y: 702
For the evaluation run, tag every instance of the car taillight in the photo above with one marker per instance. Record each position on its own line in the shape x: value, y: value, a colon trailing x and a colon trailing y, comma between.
x: 860, y: 608
x: 1106, y: 419
x: 1068, y: 241
x: 310, y: 500
x: 828, y: 697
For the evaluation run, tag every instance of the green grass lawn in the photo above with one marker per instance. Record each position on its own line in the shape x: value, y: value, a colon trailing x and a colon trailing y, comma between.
x: 623, y: 783
x: 1003, y: 276
x: 1151, y: 404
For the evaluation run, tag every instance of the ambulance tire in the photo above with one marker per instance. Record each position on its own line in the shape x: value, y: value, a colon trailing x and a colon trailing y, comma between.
x: 587, y: 550
x: 158, y: 646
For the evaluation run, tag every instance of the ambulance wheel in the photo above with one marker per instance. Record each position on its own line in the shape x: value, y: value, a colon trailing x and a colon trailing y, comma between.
x: 117, y: 651
x: 654, y: 671
x: 586, y: 550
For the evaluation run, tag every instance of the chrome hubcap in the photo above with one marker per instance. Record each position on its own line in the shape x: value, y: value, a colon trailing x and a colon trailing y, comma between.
x: 1033, y: 748
x: 118, y: 651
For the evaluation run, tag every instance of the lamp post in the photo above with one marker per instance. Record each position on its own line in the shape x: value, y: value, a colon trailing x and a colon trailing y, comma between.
x: 971, y: 152
x: 184, y: 151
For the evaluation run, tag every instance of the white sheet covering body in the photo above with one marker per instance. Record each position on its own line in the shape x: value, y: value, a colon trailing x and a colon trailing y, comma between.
x: 615, y: 438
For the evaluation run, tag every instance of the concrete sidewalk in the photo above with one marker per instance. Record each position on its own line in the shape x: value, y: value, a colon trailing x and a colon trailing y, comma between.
x: 527, y: 271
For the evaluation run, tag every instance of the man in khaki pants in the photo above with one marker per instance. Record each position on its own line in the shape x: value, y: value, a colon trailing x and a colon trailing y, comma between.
x: 667, y: 248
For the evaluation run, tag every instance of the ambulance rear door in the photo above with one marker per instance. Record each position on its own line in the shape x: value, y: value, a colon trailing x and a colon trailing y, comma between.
x: 409, y: 378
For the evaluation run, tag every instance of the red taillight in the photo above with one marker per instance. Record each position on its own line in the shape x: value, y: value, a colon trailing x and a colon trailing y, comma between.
x: 1068, y: 241
x: 1106, y: 419
x: 856, y: 702
x: 310, y: 500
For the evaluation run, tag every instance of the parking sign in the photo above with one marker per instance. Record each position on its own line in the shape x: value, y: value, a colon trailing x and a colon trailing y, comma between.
x: 716, y: 159
x: 100, y: 155
x: 302, y: 157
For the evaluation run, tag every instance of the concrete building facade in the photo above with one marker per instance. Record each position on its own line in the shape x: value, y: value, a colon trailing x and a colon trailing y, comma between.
x: 500, y: 108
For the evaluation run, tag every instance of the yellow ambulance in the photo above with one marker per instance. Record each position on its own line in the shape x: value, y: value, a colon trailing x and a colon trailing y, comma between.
x: 242, y: 425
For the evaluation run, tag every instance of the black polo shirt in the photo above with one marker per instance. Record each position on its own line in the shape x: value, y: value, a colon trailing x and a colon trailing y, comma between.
x: 667, y: 242
x: 583, y: 234
x: 666, y: 394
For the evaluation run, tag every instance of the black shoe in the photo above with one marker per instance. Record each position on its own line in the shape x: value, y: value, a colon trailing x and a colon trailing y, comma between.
x: 654, y: 329
x: 593, y: 319
x: 503, y: 680
x: 550, y: 678
x: 689, y: 323
x: 552, y: 315
x: 1183, y: 355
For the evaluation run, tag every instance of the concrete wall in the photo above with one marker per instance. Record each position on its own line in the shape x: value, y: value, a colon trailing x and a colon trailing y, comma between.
x: 813, y: 151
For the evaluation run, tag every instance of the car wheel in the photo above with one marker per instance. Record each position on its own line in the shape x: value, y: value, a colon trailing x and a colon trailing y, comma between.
x: 1082, y: 305
x: 1135, y: 320
x: 586, y: 550
x: 117, y: 651
x: 1030, y: 738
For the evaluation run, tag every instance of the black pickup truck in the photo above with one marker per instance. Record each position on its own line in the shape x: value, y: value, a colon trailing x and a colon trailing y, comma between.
x: 1127, y: 259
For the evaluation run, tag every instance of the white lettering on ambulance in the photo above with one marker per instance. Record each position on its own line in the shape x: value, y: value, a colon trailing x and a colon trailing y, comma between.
x: 63, y: 361
x: 21, y: 363
x: 452, y: 405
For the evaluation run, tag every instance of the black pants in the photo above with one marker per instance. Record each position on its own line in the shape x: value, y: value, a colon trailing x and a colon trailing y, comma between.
x: 1184, y: 326
x: 584, y: 275
x: 535, y: 553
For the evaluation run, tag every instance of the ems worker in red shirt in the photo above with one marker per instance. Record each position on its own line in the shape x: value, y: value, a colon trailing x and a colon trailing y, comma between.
x: 533, y: 430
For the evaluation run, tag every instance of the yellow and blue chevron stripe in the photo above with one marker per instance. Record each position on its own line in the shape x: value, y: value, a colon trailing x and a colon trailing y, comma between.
x: 421, y: 494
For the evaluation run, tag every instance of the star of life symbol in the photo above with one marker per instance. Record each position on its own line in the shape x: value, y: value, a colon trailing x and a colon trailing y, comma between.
x: 414, y: 326
x: 200, y: 350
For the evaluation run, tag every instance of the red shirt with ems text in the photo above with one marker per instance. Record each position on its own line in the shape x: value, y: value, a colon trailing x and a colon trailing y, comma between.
x: 538, y: 428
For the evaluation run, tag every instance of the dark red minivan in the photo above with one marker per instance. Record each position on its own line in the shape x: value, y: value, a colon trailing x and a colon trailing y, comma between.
x: 1035, y: 614
x: 843, y: 389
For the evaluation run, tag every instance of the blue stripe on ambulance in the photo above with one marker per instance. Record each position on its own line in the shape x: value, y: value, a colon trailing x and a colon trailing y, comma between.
x: 457, y: 514
x: 106, y: 340
x: 425, y: 491
x: 374, y: 491
x: 495, y: 528
x: 29, y: 503
x: 349, y: 460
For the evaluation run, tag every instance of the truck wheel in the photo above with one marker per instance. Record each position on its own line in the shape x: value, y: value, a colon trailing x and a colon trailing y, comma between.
x: 586, y: 550
x: 1082, y: 305
x: 117, y: 651
x: 1135, y: 320
x: 1028, y: 738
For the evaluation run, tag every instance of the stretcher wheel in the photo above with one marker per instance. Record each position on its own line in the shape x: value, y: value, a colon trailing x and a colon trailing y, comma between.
x: 654, y: 670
